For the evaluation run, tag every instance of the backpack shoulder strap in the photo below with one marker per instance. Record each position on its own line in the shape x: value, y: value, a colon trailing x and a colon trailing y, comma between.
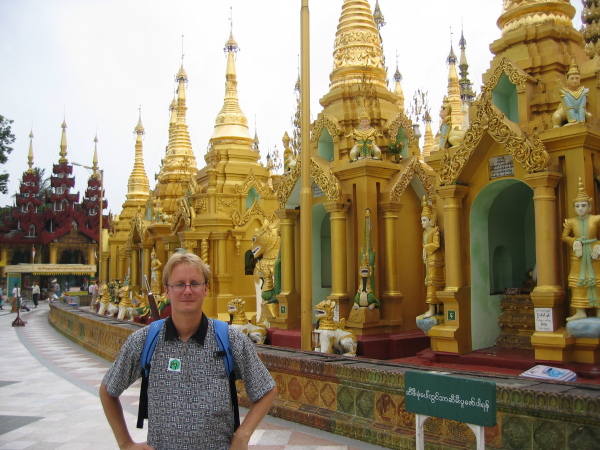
x: 150, y: 344
x: 222, y: 336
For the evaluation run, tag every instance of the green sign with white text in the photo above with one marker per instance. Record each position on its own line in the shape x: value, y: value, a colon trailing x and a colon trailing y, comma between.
x: 451, y: 397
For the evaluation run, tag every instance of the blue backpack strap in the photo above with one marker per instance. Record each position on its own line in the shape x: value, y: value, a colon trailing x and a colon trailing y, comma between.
x: 222, y: 336
x: 149, y: 346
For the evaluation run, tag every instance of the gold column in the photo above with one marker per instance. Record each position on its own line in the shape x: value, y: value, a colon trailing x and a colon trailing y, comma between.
x: 91, y: 254
x: 546, y: 234
x: 146, y: 261
x: 391, y: 296
x: 121, y: 265
x: 105, y: 274
x: 53, y: 252
x: 454, y: 336
x: 556, y: 345
x: 339, y: 254
x: 305, y: 187
x: 452, y: 197
x: 287, y: 224
x: 391, y: 211
x: 134, y: 260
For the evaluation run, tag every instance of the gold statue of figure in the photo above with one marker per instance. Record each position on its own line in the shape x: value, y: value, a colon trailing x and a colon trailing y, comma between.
x: 156, y: 272
x: 432, y: 257
x: 448, y: 136
x: 364, y: 136
x: 581, y: 234
x: 573, y: 100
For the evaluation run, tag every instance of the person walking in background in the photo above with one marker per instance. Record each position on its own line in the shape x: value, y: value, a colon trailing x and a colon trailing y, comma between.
x: 35, y: 291
x: 1, y: 297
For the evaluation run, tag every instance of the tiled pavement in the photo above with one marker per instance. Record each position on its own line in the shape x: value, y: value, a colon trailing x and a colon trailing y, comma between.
x: 49, y: 397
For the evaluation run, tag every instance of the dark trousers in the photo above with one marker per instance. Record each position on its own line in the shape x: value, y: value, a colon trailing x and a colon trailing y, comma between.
x: 36, y: 298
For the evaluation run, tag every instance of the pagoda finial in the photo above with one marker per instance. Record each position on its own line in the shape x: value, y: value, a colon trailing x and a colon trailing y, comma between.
x: 231, y: 121
x: 378, y: 16
x: 95, y: 159
x: 63, y: 144
x: 30, y: 154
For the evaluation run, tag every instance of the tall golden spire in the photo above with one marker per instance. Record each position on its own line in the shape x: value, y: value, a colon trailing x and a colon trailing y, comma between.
x: 231, y: 121
x: 454, y: 90
x: 398, y: 87
x: 63, y: 144
x: 30, y: 155
x: 358, y: 54
x: 520, y: 13
x: 138, y: 186
x: 179, y: 164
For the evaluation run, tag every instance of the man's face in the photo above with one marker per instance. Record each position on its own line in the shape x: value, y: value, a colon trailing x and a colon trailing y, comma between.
x: 188, y: 301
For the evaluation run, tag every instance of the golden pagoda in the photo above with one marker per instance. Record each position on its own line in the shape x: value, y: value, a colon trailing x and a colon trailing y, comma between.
x: 354, y: 175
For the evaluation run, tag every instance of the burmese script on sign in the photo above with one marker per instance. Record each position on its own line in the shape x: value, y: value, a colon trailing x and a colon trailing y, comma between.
x: 434, y: 397
x: 501, y: 166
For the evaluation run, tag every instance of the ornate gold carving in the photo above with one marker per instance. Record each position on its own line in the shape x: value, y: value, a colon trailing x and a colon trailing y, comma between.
x: 189, y: 244
x: 328, y: 183
x: 330, y: 123
x: 183, y: 217
x: 200, y: 204
x: 240, y: 220
x: 401, y: 121
x: 515, y: 75
x: 138, y: 227
x: 528, y: 151
x: 412, y: 168
x: 223, y: 203
x: 357, y: 48
x: 252, y: 182
x: 288, y: 182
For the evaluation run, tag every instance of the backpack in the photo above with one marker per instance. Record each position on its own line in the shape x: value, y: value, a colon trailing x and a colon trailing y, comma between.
x: 222, y: 336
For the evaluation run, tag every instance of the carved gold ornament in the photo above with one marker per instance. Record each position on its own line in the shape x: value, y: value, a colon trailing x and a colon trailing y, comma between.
x: 528, y: 151
x: 409, y: 170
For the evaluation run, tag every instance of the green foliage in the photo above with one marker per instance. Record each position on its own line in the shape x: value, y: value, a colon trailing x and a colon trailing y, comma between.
x: 6, y: 140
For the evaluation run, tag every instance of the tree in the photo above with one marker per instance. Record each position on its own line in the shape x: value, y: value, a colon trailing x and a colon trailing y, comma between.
x: 6, y: 140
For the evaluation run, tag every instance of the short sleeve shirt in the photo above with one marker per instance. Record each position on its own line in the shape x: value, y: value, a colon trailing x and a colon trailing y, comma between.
x: 189, y: 402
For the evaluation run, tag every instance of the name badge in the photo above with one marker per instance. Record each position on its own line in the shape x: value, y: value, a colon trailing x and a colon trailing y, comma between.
x: 174, y: 365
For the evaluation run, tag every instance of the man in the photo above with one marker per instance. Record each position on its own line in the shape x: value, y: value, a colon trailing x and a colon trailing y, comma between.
x: 189, y: 401
x: 93, y: 291
x: 35, y: 291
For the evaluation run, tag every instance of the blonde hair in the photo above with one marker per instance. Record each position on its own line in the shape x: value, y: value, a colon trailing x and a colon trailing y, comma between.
x: 190, y: 259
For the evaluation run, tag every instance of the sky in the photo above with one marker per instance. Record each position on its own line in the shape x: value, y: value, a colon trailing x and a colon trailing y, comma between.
x: 96, y: 63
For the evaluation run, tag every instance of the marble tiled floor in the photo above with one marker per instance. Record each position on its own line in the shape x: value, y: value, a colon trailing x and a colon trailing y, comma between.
x: 49, y: 397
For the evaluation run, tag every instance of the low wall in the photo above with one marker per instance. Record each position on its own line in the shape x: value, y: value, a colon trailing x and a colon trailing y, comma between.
x: 364, y: 399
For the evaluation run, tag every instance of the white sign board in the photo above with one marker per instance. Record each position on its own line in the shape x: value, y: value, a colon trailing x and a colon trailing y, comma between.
x: 543, y: 319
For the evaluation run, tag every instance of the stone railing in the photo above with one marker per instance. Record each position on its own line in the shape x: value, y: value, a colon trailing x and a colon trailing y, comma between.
x: 364, y: 399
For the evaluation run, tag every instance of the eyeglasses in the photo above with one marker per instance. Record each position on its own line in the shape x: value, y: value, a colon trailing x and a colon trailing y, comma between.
x: 180, y: 287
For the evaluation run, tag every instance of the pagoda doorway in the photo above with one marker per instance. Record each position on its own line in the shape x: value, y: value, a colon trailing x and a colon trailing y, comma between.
x: 502, y: 250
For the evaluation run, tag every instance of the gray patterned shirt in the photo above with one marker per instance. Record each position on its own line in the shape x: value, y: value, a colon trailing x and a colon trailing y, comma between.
x: 189, y: 402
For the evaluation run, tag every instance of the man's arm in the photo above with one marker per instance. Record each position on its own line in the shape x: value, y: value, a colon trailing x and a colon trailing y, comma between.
x: 256, y: 413
x: 114, y: 414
